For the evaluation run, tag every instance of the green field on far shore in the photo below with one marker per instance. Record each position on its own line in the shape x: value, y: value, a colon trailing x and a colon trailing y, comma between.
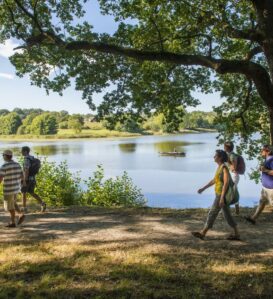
x: 89, y: 133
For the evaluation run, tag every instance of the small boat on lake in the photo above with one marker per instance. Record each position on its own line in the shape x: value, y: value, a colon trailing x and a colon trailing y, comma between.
x: 174, y: 154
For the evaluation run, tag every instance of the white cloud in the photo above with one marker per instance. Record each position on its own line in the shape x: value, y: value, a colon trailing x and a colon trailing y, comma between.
x: 6, y: 49
x: 6, y: 76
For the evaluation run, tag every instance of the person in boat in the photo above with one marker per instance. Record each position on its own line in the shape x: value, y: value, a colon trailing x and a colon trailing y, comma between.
x: 221, y: 182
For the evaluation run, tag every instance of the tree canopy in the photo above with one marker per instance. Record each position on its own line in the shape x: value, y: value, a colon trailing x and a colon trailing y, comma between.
x: 160, y: 53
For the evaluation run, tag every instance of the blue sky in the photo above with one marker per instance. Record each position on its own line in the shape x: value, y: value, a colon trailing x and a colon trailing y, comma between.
x: 18, y: 92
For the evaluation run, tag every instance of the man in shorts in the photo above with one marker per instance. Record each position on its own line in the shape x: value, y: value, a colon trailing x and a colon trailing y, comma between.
x: 30, y: 180
x: 232, y: 165
x: 11, y: 175
x: 267, y: 183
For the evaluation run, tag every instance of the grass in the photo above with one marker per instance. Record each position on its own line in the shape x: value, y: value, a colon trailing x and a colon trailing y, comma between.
x: 132, y: 253
x: 91, y: 133
x: 70, y: 134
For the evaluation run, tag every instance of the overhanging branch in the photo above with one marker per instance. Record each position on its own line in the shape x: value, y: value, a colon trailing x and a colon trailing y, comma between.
x: 254, y: 52
x: 251, y: 70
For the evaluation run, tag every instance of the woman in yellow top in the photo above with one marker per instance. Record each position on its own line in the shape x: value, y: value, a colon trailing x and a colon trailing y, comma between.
x: 221, y: 182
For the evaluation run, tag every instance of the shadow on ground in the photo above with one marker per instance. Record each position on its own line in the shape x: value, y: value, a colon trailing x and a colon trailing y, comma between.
x: 134, y: 253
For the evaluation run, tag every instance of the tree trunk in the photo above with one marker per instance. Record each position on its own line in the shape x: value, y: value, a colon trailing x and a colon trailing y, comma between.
x: 270, y: 110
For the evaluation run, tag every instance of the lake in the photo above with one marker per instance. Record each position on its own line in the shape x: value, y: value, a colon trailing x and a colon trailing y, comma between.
x: 165, y: 181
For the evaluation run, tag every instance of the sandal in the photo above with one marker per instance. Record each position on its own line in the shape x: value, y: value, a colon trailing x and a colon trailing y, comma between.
x: 21, y: 219
x: 233, y: 238
x: 198, y: 235
x: 250, y: 220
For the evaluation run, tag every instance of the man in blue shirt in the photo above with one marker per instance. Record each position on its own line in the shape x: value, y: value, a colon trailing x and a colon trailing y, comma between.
x: 267, y: 183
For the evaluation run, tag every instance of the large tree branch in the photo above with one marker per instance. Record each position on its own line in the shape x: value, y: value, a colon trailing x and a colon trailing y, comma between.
x: 254, y: 52
x: 250, y: 34
x: 251, y: 70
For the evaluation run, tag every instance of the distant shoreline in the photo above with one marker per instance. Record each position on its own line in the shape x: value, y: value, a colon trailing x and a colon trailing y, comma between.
x: 96, y: 134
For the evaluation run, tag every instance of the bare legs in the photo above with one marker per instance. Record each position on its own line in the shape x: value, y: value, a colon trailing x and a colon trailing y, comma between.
x: 37, y: 197
x: 260, y: 208
x: 13, y: 214
x: 34, y: 195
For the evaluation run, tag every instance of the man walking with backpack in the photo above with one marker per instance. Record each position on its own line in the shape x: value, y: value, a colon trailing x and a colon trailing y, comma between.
x: 236, y: 166
x: 31, y: 167
x: 267, y: 183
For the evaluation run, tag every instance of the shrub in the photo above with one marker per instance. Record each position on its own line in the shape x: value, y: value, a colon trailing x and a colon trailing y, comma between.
x: 57, y: 185
x: 95, y: 125
x: 112, y: 192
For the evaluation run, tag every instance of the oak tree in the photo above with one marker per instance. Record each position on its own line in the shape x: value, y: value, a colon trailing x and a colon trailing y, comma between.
x: 161, y: 52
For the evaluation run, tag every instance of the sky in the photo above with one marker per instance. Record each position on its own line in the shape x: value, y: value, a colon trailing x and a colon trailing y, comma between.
x: 18, y: 92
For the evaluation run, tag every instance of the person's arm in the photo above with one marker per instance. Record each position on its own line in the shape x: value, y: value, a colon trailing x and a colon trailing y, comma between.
x: 26, y: 169
x: 233, y: 163
x: 225, y: 187
x: 2, y: 174
x: 26, y: 174
x: 23, y: 180
x: 266, y: 170
x: 209, y: 184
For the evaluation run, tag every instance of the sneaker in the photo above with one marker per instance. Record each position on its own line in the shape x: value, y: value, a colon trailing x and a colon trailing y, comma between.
x: 11, y: 225
x: 43, y: 207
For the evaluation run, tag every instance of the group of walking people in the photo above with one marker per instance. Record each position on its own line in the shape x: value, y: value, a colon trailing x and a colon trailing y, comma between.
x: 15, y: 180
x: 227, y: 170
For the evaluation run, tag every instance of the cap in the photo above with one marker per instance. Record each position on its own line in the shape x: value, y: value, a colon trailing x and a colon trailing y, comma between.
x: 7, y: 153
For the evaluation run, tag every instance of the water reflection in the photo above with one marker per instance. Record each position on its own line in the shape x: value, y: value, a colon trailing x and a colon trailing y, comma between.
x: 169, y: 146
x: 54, y: 149
x: 127, y: 147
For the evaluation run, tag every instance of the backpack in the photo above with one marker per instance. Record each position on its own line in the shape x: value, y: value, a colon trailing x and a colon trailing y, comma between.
x: 35, y: 165
x: 241, y: 166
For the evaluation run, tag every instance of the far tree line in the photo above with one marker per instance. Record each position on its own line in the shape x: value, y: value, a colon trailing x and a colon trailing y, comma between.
x: 39, y: 122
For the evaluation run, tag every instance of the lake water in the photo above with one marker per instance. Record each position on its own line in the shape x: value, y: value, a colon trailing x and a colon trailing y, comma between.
x: 165, y: 181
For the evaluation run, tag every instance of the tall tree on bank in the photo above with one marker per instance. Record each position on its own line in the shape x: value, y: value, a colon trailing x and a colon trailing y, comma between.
x: 160, y: 53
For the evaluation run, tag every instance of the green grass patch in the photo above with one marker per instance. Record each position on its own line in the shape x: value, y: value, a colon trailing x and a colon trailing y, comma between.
x: 70, y: 134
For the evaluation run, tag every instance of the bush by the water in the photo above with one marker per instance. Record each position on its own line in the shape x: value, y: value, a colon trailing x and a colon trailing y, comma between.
x: 57, y: 186
x: 119, y: 191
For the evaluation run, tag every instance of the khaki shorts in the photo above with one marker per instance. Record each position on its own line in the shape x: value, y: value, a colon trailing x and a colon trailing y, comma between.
x: 266, y: 196
x: 10, y: 202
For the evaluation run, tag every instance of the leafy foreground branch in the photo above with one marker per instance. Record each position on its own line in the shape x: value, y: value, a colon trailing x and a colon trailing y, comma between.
x: 59, y: 187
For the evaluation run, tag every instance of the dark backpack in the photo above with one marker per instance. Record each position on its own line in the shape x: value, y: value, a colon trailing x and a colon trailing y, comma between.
x: 241, y: 166
x: 35, y: 165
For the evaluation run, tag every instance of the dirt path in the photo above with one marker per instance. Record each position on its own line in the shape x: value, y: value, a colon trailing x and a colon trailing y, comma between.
x: 134, y: 253
x: 170, y: 227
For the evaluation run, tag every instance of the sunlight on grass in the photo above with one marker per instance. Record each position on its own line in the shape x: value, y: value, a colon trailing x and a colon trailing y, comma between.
x: 131, y: 260
x: 235, y: 268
